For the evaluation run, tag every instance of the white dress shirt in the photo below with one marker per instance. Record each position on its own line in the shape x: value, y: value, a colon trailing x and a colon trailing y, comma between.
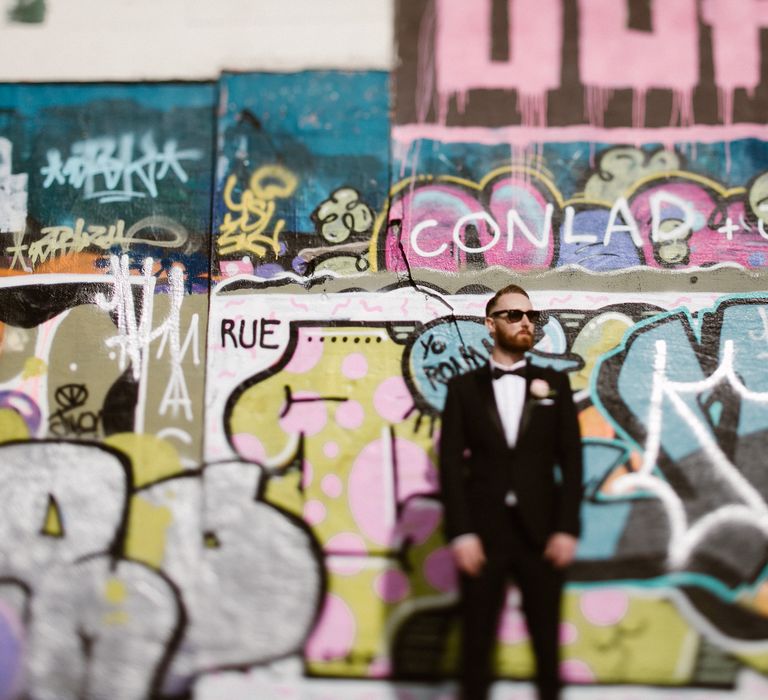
x: 509, y: 392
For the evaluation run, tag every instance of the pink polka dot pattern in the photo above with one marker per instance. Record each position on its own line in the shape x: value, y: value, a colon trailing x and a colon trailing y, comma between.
x: 569, y: 633
x: 415, y: 471
x: 392, y: 399
x: 345, y: 566
x: 308, y: 417
x: 306, y: 355
x: 249, y: 447
x: 576, y: 671
x: 314, y: 512
x: 346, y: 554
x: 370, y: 484
x: 350, y: 415
x: 347, y: 543
x: 367, y: 487
x: 380, y: 667
x: 331, y: 486
x: 354, y: 366
x: 440, y: 571
x: 392, y: 586
x: 331, y: 449
x: 604, y: 606
x: 307, y: 474
x: 512, y: 627
x: 334, y: 634
x: 419, y: 518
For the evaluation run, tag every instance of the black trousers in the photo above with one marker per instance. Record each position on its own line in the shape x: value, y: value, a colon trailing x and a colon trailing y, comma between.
x: 512, y: 554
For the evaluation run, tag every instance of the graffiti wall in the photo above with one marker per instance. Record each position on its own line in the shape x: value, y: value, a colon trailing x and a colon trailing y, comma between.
x: 229, y: 311
x: 664, y: 385
x: 303, y: 168
x: 105, y: 237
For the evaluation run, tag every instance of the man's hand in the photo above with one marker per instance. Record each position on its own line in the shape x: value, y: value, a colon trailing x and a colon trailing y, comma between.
x: 468, y: 553
x: 561, y: 549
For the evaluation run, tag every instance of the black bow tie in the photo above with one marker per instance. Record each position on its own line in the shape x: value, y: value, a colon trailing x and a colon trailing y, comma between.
x: 497, y: 372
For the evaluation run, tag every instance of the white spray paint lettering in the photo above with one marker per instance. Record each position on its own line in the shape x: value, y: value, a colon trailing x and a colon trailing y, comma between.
x: 107, y: 168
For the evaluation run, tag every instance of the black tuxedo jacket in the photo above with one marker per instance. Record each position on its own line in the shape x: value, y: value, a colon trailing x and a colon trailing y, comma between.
x: 477, y: 468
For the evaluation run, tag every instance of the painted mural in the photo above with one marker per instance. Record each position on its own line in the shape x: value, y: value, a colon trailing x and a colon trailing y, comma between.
x: 105, y: 235
x: 613, y: 208
x: 229, y: 311
x: 93, y: 170
x: 303, y: 169
x: 359, y: 381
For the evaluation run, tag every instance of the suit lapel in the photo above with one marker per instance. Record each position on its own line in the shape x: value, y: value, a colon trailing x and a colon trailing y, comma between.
x: 525, y: 414
x: 488, y: 399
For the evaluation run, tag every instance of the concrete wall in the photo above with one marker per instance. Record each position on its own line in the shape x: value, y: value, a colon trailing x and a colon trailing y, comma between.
x: 229, y: 308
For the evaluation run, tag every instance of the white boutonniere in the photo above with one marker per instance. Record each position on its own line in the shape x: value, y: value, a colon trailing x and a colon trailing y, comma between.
x: 540, y: 389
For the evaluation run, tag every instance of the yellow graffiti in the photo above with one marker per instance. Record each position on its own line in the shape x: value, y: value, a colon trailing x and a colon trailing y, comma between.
x: 12, y: 426
x: 60, y: 240
x: 114, y: 591
x: 52, y: 526
x: 115, y: 594
x: 34, y: 367
x: 146, y: 535
x: 152, y: 458
x: 244, y: 229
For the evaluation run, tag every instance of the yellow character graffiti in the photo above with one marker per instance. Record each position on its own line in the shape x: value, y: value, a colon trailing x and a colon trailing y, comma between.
x: 244, y: 229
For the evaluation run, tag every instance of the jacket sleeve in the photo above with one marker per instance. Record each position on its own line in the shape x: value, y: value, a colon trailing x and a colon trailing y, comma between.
x: 451, y: 458
x: 570, y: 460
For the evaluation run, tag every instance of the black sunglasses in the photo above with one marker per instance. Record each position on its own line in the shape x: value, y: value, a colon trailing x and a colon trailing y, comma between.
x: 515, y: 315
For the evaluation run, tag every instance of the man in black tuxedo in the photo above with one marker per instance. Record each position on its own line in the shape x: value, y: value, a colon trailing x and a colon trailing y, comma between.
x: 505, y: 428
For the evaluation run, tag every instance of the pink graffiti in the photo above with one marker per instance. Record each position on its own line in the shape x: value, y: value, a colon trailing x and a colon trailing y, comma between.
x: 568, y: 633
x: 533, y: 66
x: 576, y: 671
x: 611, y: 54
x: 736, y: 28
x: 371, y: 492
x: 350, y: 414
x: 416, y: 473
x: 718, y: 231
x: 346, y: 543
x: 440, y: 570
x: 331, y: 449
x: 614, y: 56
x: 392, y: 586
x: 249, y: 447
x: 308, y: 352
x: 354, y: 366
x: 676, y: 223
x: 306, y: 414
x: 335, y: 632
x: 392, y: 399
x: 444, y: 227
x: 512, y: 627
x: 314, y: 512
x: 374, y: 488
x: 419, y: 519
x: 332, y: 486
x: 604, y: 607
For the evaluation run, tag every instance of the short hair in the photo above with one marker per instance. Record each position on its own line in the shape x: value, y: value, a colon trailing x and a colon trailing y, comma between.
x: 509, y: 289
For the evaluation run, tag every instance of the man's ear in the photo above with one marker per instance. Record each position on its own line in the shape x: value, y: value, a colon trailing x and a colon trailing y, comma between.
x: 491, y: 326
